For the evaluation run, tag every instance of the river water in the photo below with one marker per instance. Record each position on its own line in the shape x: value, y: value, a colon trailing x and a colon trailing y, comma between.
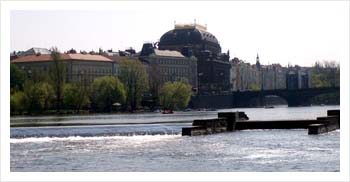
x: 153, y: 142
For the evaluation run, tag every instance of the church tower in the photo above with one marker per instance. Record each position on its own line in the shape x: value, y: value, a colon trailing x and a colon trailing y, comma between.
x: 258, y: 66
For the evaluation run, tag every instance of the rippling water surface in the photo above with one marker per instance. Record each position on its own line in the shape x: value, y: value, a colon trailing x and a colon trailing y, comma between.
x: 137, y: 144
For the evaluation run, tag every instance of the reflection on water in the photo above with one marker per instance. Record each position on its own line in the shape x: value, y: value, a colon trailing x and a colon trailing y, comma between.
x: 160, y: 147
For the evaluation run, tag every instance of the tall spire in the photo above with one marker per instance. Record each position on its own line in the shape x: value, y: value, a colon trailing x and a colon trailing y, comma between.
x: 257, y: 61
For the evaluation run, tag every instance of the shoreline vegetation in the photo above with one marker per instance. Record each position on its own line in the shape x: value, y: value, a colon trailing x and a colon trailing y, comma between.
x: 47, y: 92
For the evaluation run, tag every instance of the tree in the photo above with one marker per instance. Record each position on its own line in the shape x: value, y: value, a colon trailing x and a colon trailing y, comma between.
x: 155, y: 80
x: 106, y: 91
x: 57, y: 76
x: 75, y: 96
x: 17, y: 102
x: 175, y: 95
x: 38, y: 96
x: 325, y: 74
x: 17, y: 77
x: 48, y: 95
x: 134, y: 77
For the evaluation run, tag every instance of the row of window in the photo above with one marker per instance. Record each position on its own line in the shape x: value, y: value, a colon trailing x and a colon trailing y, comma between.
x: 91, y: 70
x: 172, y: 78
x: 172, y: 61
x: 75, y: 69
x: 174, y: 70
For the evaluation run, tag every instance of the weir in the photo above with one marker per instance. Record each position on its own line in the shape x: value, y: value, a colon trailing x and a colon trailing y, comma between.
x: 232, y: 121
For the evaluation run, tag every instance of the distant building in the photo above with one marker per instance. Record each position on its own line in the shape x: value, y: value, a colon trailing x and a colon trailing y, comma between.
x: 213, y: 67
x: 35, y: 51
x: 292, y: 80
x: 31, y: 51
x: 297, y: 78
x: 13, y: 55
x: 168, y: 66
x: 79, y: 67
x: 235, y: 74
x: 117, y: 57
x: 245, y: 76
x: 273, y: 77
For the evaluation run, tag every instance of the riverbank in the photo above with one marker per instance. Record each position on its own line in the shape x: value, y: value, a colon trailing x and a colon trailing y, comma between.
x: 140, y: 111
x: 74, y: 113
x: 284, y: 113
x: 89, y: 124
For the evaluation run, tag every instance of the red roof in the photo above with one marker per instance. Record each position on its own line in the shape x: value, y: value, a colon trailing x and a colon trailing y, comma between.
x: 118, y: 59
x: 39, y: 58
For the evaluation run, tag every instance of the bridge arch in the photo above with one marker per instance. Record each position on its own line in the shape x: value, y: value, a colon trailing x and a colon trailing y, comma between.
x: 298, y: 97
x: 267, y: 100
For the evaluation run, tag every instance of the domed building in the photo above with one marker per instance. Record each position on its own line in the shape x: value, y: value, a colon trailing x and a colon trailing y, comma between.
x: 213, y: 67
x: 194, y: 37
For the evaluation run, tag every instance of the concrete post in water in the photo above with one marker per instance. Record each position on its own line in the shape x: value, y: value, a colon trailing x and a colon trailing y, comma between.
x: 232, y: 118
x: 315, y: 129
x: 225, y: 122
x: 326, y: 124
x: 334, y: 113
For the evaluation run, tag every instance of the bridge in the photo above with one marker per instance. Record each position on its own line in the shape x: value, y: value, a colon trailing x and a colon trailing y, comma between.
x: 297, y: 97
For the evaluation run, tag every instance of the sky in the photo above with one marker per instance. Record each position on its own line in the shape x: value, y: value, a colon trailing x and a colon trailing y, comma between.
x: 296, y: 33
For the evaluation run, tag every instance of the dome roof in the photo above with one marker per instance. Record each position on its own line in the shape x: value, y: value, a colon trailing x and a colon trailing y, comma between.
x: 192, y: 35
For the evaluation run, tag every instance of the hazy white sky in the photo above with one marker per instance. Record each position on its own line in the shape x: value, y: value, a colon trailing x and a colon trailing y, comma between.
x: 281, y: 32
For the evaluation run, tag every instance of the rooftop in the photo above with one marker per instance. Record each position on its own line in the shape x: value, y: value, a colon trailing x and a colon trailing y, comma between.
x: 47, y: 57
x: 168, y: 53
x: 190, y: 26
x: 117, y: 58
x: 36, y: 50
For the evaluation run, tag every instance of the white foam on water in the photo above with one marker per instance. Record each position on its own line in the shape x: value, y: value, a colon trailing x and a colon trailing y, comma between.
x: 336, y: 131
x: 79, y: 138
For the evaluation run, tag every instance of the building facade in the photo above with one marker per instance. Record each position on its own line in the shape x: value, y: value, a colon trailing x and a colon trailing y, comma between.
x: 82, y: 68
x: 213, y: 67
x: 31, y: 51
x: 247, y: 77
x: 244, y: 76
x: 168, y: 66
x: 298, y: 78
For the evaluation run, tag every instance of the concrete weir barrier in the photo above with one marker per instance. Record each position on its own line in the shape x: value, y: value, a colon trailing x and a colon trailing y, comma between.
x: 226, y: 121
x: 232, y: 121
x: 326, y: 124
x: 204, y: 127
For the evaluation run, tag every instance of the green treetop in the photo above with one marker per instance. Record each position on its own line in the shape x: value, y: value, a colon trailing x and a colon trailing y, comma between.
x: 134, y: 76
x: 175, y: 95
x: 107, y: 91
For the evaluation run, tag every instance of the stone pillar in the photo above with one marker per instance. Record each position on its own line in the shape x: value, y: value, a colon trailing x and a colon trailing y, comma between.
x: 231, y: 118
